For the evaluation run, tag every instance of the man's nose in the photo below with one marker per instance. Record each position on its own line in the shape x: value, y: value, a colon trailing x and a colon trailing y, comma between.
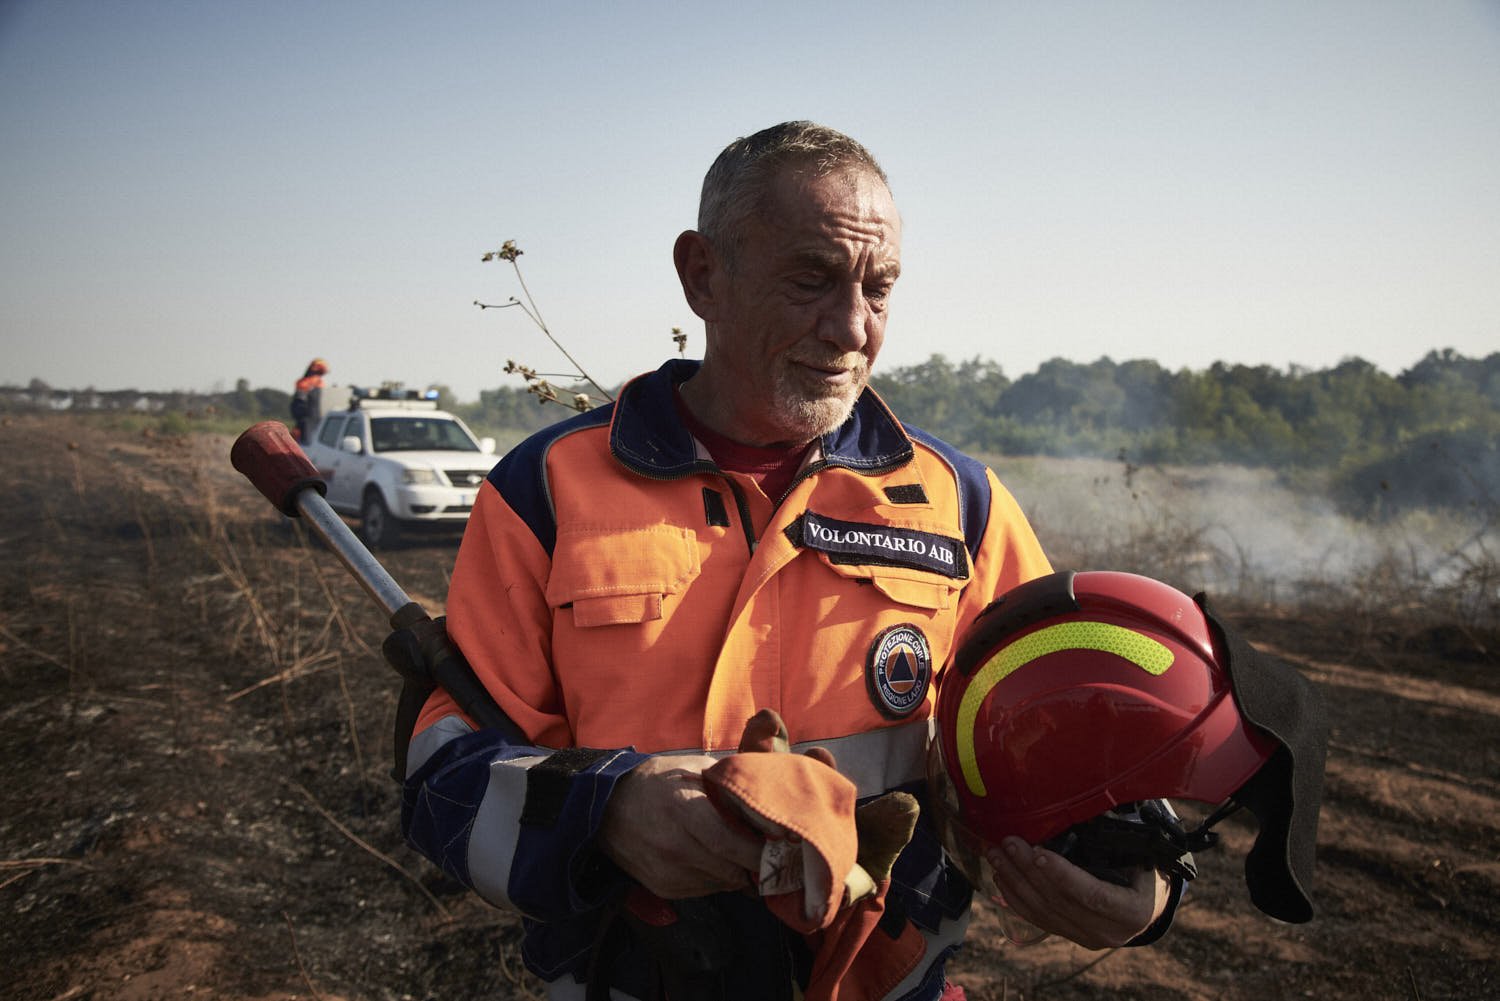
x: 846, y: 322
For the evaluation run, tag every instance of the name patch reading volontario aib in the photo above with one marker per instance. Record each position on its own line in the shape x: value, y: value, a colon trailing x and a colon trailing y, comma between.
x: 854, y: 542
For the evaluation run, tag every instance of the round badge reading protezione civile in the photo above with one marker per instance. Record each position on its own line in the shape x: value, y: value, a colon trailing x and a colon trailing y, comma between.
x: 899, y: 670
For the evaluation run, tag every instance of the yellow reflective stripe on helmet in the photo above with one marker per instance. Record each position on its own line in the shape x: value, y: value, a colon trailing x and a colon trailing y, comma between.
x: 1141, y: 650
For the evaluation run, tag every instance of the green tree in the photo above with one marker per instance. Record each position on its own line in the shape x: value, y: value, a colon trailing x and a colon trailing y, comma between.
x: 243, y: 402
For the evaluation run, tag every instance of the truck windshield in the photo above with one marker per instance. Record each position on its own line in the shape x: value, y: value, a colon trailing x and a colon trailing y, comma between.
x: 419, y: 434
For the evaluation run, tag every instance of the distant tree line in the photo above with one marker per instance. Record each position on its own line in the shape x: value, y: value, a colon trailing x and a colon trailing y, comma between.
x: 243, y: 401
x: 1253, y: 415
x: 1424, y: 437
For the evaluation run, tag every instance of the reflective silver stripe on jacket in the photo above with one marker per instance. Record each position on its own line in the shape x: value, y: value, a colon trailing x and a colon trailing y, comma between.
x: 875, y: 762
x: 492, y: 839
x: 880, y: 760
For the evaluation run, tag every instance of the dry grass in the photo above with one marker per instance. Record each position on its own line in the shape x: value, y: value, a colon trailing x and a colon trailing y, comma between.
x: 198, y: 733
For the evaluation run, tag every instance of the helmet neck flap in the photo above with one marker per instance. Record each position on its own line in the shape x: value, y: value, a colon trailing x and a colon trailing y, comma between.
x: 1287, y: 792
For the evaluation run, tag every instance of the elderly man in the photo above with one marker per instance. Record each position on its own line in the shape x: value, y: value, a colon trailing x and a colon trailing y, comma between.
x: 753, y: 531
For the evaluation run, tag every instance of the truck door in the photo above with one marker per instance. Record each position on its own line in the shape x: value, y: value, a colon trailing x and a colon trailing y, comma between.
x: 345, y: 472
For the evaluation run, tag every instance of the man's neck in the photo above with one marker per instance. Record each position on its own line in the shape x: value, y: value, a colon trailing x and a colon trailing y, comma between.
x: 772, y: 467
x: 714, y: 410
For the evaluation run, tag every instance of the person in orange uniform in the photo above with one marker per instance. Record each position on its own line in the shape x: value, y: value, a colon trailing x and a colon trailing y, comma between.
x: 307, y: 399
x: 755, y: 530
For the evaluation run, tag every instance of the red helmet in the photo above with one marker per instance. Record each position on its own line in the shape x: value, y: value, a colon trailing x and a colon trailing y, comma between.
x: 1078, y: 693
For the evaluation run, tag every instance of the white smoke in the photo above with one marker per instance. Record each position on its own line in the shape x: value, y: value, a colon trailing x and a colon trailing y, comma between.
x: 1246, y: 532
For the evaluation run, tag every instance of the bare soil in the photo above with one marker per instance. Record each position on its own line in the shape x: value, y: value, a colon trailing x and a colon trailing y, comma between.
x: 197, y: 804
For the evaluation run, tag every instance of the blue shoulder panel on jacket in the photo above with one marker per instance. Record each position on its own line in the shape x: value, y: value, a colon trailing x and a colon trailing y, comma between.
x: 973, y: 487
x: 521, y: 476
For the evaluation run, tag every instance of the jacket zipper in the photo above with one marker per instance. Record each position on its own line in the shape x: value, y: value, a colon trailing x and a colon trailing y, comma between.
x: 743, y: 508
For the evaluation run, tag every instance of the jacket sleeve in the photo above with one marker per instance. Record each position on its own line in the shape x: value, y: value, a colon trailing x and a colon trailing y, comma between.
x: 515, y: 823
x: 1008, y: 553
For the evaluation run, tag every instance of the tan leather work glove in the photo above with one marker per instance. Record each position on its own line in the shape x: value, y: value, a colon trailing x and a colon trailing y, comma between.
x: 805, y: 810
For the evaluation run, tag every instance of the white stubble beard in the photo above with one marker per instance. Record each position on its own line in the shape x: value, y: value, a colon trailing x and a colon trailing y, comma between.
x: 807, y: 417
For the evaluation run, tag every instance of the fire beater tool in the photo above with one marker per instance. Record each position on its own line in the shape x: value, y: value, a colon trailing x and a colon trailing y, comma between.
x: 418, y: 646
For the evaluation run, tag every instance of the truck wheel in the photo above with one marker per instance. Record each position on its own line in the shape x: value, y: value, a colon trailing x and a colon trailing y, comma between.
x: 379, y: 528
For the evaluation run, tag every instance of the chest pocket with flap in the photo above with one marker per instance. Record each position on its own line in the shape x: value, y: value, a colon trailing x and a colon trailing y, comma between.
x: 613, y: 575
x: 901, y: 585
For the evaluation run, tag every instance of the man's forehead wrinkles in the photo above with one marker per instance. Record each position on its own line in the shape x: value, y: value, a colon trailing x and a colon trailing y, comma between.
x: 831, y: 225
x: 860, y: 225
x: 879, y: 256
x: 839, y: 237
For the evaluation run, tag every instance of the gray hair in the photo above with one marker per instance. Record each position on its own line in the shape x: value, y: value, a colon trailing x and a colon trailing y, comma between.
x: 736, y: 184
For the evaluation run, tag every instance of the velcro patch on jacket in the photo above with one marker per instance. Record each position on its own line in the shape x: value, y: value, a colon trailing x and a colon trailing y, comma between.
x: 714, y: 512
x: 906, y: 493
x: 854, y: 543
x: 547, y: 783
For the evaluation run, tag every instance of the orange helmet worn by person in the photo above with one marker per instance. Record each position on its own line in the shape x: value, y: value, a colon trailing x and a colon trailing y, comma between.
x: 1078, y: 700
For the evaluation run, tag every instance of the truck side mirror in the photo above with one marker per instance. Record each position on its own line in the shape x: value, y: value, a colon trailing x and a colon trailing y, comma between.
x: 351, y: 443
x: 487, y: 446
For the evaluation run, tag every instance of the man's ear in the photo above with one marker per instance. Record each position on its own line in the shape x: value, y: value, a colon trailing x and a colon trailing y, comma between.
x: 696, y: 266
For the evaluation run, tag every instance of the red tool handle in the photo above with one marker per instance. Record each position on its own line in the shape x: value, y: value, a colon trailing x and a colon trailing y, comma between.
x: 276, y: 464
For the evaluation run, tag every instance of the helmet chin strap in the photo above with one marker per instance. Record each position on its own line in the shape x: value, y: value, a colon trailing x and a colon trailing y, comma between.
x: 1201, y: 837
x: 1114, y: 845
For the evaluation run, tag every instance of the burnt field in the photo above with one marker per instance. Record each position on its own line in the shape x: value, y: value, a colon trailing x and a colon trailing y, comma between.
x: 197, y: 801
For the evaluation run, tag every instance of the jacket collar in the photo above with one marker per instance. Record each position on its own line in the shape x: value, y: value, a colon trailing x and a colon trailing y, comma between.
x: 647, y: 437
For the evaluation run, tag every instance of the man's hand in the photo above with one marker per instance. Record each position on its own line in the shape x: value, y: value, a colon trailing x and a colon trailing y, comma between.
x: 661, y: 829
x: 1048, y: 891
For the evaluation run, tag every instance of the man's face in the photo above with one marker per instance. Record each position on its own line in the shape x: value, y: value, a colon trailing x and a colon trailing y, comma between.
x: 804, y: 308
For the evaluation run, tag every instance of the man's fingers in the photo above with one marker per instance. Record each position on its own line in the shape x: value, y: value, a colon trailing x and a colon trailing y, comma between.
x: 822, y: 754
x: 1026, y: 888
x: 1050, y: 892
x: 725, y: 854
x: 663, y: 831
x: 692, y: 880
x: 729, y: 845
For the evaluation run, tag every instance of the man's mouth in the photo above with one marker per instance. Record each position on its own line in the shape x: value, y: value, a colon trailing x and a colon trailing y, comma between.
x: 835, y: 373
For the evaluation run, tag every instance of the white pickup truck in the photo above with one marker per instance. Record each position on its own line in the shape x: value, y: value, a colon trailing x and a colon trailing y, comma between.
x: 396, y: 462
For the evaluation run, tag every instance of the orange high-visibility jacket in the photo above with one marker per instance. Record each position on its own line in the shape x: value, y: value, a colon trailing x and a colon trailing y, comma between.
x: 615, y: 590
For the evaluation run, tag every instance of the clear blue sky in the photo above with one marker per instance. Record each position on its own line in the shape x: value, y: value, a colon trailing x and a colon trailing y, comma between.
x: 198, y: 191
